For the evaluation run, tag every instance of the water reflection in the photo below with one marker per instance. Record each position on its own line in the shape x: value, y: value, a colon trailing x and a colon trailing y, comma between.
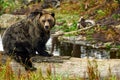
x: 76, y: 50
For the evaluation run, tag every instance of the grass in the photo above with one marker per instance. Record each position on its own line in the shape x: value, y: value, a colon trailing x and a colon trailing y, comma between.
x: 92, y: 70
x: 68, y: 22
x: 7, y: 6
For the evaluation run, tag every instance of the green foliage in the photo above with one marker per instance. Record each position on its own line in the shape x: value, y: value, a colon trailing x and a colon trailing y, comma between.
x: 68, y: 35
x: 89, y: 34
x: 108, y: 46
x: 82, y: 7
x: 72, y: 27
x: 66, y: 22
x: 101, y: 12
x: 116, y: 16
x: 7, y: 6
x: 113, y: 78
x: 89, y: 38
x: 118, y: 46
x: 117, y: 1
x: 103, y: 27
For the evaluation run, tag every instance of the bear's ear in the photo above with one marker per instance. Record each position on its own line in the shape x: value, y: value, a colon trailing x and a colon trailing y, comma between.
x: 53, y: 14
x: 40, y: 13
x: 36, y: 12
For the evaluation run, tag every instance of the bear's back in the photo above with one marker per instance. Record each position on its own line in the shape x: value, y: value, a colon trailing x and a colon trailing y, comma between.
x: 17, y: 32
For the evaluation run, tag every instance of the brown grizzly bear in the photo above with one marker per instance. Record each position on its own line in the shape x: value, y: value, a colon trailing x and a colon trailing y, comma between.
x: 28, y: 37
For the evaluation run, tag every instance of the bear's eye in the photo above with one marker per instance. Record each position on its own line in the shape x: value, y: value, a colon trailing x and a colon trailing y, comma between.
x: 43, y: 21
x: 49, y: 20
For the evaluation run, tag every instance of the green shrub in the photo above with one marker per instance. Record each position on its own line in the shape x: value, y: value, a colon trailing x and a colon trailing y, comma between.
x: 7, y: 6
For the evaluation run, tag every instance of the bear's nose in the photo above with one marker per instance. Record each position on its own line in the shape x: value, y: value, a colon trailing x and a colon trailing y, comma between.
x: 46, y: 27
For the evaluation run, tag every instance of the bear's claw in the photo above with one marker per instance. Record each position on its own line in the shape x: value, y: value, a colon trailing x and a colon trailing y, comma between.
x: 30, y: 68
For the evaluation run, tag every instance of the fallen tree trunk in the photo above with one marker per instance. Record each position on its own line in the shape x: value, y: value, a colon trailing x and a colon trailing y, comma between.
x: 72, y: 32
x: 70, y: 66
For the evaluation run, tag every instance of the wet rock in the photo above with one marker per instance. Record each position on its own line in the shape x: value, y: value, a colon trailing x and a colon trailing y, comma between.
x: 82, y: 23
x: 114, y: 52
x: 76, y: 52
x: 8, y: 19
x: 114, y: 49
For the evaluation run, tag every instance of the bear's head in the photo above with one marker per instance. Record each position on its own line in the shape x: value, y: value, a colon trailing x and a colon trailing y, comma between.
x: 45, y: 19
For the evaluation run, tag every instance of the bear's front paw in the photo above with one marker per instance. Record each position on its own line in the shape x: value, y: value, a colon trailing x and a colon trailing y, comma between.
x: 50, y: 55
x: 45, y: 53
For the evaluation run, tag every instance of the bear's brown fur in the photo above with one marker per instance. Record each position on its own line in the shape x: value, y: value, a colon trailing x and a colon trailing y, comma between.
x: 28, y: 36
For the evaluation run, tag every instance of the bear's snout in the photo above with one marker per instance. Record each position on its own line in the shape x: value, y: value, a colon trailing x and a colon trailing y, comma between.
x: 47, y: 27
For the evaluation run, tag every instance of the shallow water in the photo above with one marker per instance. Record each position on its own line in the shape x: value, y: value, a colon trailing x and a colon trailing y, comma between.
x: 1, y: 47
x: 66, y: 49
x: 56, y: 51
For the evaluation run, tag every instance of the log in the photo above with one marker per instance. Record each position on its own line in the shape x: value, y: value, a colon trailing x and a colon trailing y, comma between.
x: 71, y: 66
x: 79, y: 67
x: 72, y: 32
x: 75, y: 67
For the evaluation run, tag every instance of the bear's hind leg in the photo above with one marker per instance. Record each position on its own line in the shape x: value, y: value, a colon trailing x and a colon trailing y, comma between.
x: 24, y: 59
